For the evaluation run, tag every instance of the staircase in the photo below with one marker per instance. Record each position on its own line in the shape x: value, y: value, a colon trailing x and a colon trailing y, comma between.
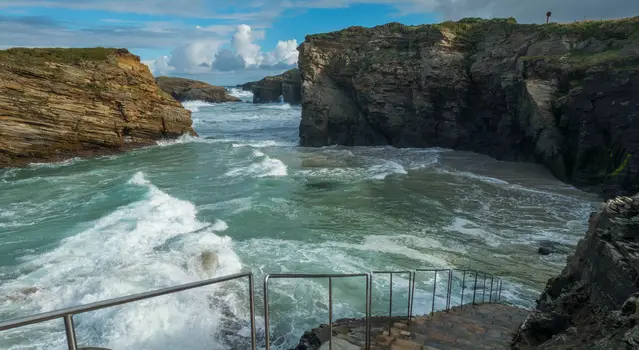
x: 484, y: 326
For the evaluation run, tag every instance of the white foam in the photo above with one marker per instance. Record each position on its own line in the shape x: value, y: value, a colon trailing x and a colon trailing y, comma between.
x: 63, y: 163
x: 388, y: 244
x: 148, y: 244
x: 194, y: 106
x: 469, y: 228
x: 185, y: 138
x: 267, y: 166
x: 264, y: 144
x: 381, y: 171
x: 283, y: 106
x: 474, y: 176
x: 239, y: 93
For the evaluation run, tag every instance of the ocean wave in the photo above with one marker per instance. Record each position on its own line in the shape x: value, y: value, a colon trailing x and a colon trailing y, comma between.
x: 381, y: 171
x: 155, y: 242
x: 194, y: 106
x: 473, y: 176
x: 264, y: 167
x: 63, y: 163
x: 262, y: 144
x: 185, y: 138
x: 239, y: 93
x: 275, y: 105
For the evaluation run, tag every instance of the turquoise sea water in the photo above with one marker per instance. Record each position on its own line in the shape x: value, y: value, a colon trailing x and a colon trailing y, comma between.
x: 244, y: 192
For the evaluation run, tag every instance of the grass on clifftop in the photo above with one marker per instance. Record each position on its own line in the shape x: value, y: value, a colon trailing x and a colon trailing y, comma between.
x: 619, y: 29
x: 58, y: 55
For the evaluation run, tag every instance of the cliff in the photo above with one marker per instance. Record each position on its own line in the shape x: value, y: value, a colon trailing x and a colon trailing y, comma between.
x: 193, y: 90
x: 288, y: 85
x: 60, y: 103
x: 564, y: 95
x: 592, y: 304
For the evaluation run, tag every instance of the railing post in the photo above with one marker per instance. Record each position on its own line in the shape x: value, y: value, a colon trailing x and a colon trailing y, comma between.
x: 252, y: 310
x: 267, y: 336
x: 330, y: 312
x: 490, y: 298
x: 475, y: 288
x: 449, y: 290
x: 483, y: 291
x: 410, y: 297
x: 501, y: 282
x: 412, y: 293
x: 70, y: 331
x: 390, y: 305
x: 461, y: 304
x: 432, y: 307
x: 369, y: 292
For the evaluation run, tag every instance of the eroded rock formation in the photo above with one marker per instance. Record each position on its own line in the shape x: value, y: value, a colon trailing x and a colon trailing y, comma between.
x: 194, y: 90
x: 288, y: 85
x: 592, y: 304
x: 60, y: 103
x: 566, y: 96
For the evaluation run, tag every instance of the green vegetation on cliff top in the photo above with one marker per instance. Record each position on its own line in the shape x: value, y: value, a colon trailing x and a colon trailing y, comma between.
x: 610, y: 35
x: 620, y: 29
x: 59, y: 55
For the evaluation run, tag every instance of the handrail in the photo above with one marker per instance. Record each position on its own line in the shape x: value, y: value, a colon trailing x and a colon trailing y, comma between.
x: 390, y: 302
x: 68, y: 313
x: 330, y: 300
x: 496, y: 284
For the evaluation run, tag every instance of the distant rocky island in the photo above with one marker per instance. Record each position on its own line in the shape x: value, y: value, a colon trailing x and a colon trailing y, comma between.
x: 61, y: 103
x: 563, y: 95
x: 193, y: 90
x: 288, y: 85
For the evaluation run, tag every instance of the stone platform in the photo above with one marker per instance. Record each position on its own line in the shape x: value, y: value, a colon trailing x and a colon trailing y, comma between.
x: 485, y: 326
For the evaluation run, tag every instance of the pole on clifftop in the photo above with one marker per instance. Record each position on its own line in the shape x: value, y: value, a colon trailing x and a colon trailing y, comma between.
x: 548, y: 14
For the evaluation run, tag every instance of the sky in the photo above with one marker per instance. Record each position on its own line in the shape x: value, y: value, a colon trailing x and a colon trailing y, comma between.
x: 228, y: 42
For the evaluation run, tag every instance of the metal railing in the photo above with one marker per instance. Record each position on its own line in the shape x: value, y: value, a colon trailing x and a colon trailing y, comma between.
x: 330, y: 301
x: 496, y: 284
x: 390, y: 294
x: 68, y: 313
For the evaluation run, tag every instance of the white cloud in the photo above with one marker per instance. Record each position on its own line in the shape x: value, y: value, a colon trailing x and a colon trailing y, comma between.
x: 192, y: 56
x: 206, y: 56
x: 243, y: 43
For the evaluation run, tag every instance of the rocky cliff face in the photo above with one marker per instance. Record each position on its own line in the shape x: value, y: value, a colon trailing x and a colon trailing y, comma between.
x: 193, y: 90
x: 593, y: 303
x: 288, y: 85
x: 60, y: 103
x: 566, y: 96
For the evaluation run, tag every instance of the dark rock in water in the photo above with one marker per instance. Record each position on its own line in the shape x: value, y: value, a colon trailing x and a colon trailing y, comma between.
x: 557, y: 95
x: 323, y: 185
x: 550, y: 247
x: 288, y: 85
x: 592, y: 304
x: 191, y: 90
x: 543, y: 251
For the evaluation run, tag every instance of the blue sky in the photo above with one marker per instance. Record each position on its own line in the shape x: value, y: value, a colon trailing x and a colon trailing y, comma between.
x: 228, y: 42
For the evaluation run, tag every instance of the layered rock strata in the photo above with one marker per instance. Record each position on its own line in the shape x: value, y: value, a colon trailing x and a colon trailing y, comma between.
x: 564, y: 95
x: 592, y: 304
x: 194, y: 90
x: 288, y: 85
x: 61, y: 103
